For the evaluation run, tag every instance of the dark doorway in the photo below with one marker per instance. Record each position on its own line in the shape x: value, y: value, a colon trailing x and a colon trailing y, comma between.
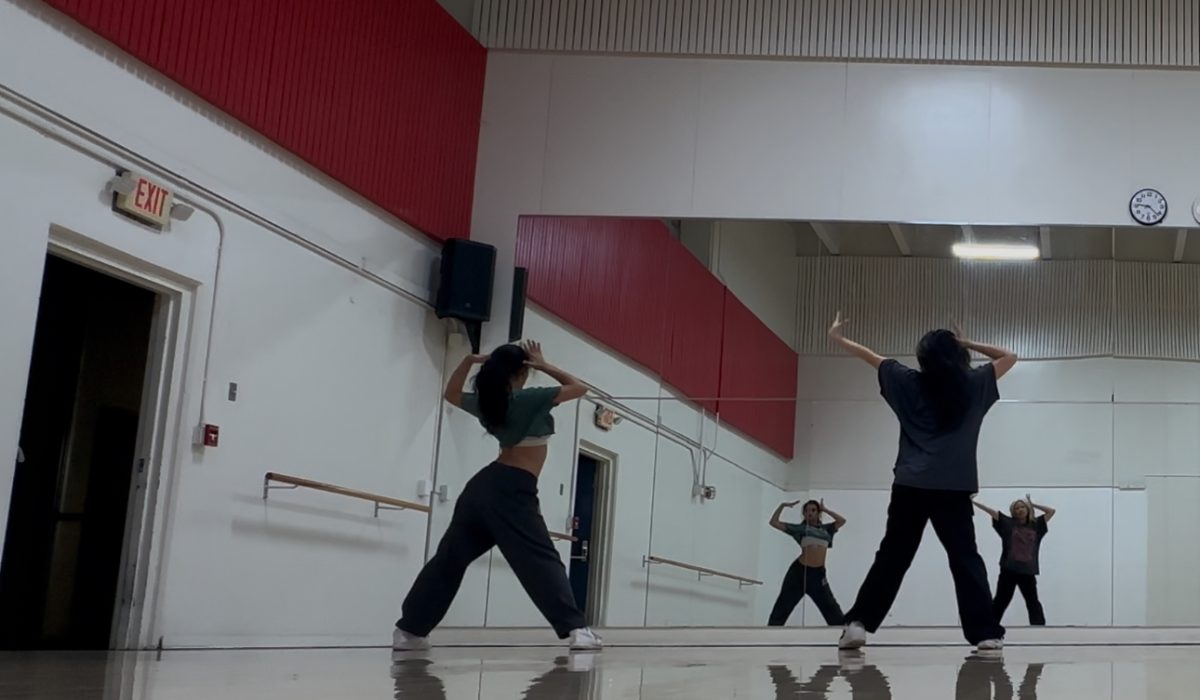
x: 66, y: 526
x: 585, y: 547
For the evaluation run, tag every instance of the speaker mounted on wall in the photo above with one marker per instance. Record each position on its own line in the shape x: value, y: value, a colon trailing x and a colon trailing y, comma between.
x: 465, y: 285
x: 516, y: 318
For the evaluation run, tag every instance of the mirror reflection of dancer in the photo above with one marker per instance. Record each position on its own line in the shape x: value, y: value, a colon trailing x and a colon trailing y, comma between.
x: 1021, y: 540
x: 866, y: 682
x: 572, y: 678
x: 940, y: 409
x: 806, y: 575
x: 980, y: 674
x: 499, y: 505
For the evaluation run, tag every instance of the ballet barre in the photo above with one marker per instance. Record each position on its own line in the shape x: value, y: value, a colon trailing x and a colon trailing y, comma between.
x: 285, y: 481
x: 701, y: 571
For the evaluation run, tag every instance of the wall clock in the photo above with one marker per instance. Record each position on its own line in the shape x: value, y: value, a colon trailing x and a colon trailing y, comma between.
x: 1148, y: 207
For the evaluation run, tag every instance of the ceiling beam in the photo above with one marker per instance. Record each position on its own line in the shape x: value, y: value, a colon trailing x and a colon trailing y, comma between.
x: 826, y: 236
x: 1180, y: 244
x: 1044, y: 240
x: 901, y: 240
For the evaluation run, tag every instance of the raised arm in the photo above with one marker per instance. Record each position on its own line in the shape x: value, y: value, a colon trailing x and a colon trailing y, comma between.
x: 572, y: 388
x: 1002, y: 360
x: 1046, y: 510
x: 991, y: 513
x: 838, y: 521
x: 775, y: 522
x: 862, y: 352
x: 454, y: 387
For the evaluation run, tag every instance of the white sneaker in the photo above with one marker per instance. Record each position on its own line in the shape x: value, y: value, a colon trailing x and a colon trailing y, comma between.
x: 851, y: 660
x: 991, y: 645
x: 581, y: 663
x: 584, y: 639
x: 854, y: 636
x: 403, y: 641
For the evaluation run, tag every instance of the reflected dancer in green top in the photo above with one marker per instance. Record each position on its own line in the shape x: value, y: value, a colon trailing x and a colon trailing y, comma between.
x: 806, y: 575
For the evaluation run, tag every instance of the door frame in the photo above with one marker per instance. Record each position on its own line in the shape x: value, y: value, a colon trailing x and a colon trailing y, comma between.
x: 160, y: 430
x: 598, y: 557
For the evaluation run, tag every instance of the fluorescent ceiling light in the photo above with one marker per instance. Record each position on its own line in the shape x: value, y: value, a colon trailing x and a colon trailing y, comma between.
x: 995, y: 251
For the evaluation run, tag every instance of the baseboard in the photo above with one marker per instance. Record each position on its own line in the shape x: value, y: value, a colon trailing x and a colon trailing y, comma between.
x: 724, y: 637
x: 820, y: 636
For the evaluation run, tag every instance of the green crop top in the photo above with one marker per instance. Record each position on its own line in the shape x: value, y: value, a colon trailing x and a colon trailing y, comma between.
x: 529, y: 421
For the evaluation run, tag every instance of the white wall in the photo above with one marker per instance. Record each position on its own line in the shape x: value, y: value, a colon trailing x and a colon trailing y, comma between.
x: 338, y: 371
x: 744, y: 139
x: 321, y: 355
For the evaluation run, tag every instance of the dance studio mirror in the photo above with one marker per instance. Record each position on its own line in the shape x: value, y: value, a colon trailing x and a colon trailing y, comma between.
x: 722, y: 419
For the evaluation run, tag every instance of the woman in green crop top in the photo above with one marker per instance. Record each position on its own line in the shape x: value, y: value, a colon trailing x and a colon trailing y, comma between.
x: 499, y: 505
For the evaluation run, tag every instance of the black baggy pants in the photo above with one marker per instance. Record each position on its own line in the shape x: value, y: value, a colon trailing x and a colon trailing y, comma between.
x: 1009, y: 581
x: 952, y: 516
x: 799, y: 581
x: 498, y: 506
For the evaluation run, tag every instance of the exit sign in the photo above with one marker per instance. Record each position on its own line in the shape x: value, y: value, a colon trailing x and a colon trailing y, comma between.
x: 147, y: 201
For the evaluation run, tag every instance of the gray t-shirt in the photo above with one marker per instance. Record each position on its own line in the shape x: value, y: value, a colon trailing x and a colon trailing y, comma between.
x: 1020, y: 543
x: 931, y: 457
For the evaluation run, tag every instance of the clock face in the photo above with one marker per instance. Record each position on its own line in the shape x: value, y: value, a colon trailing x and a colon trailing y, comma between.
x: 1148, y: 207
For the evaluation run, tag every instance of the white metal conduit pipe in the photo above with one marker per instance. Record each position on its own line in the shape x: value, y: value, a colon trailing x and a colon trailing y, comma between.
x: 600, y: 398
x: 74, y: 135
x: 116, y: 156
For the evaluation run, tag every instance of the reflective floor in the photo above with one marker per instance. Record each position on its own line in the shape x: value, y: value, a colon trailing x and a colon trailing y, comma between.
x: 1057, y: 673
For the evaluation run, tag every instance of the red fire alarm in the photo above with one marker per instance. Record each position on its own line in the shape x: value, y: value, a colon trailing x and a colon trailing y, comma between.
x: 212, y: 435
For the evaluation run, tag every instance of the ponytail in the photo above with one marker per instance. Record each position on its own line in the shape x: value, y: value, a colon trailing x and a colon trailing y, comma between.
x: 493, y: 383
x: 944, y: 366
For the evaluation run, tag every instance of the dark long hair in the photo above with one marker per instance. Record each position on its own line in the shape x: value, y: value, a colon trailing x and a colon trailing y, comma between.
x: 944, y: 366
x: 493, y: 383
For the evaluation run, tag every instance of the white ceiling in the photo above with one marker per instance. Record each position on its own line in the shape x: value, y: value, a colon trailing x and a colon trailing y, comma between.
x: 866, y: 239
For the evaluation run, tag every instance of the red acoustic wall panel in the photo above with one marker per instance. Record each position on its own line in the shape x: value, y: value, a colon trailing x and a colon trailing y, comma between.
x: 756, y: 364
x: 382, y: 95
x: 692, y: 356
x: 629, y: 284
x: 604, y: 276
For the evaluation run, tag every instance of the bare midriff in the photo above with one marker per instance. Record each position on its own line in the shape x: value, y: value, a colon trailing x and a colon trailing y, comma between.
x: 531, y: 459
x: 813, y: 557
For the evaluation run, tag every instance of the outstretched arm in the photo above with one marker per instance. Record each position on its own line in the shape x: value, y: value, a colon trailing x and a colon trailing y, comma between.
x: 1002, y: 360
x: 1046, y: 510
x: 862, y: 352
x: 454, y: 387
x: 993, y: 514
x: 775, y: 522
x: 838, y: 521
x: 572, y: 388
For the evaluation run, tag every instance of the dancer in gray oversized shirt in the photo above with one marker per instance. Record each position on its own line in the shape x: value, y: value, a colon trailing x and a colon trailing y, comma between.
x: 940, y: 409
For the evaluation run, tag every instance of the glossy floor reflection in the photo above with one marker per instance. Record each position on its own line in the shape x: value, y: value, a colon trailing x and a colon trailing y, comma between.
x: 1050, y: 673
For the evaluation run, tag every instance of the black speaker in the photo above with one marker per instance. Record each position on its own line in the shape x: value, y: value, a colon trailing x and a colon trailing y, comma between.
x: 465, y: 285
x: 516, y: 318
